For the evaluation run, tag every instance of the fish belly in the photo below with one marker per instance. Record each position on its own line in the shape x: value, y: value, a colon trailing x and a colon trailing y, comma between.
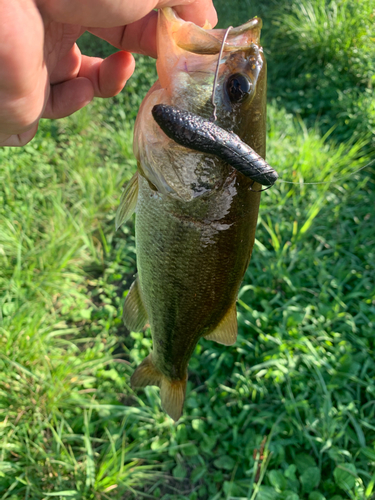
x: 191, y: 260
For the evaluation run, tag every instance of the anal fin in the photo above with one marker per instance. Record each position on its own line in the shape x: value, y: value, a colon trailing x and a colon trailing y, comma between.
x: 226, y: 331
x: 146, y: 374
x: 128, y: 201
x: 134, y: 312
x: 172, y: 392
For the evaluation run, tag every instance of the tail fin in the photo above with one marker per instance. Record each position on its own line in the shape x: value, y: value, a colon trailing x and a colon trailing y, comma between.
x: 172, y: 392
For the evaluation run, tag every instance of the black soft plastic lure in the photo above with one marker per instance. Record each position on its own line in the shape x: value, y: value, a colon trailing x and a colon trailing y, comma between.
x: 194, y: 132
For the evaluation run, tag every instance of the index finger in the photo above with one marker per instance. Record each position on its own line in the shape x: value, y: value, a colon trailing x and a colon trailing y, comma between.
x: 138, y: 37
x: 111, y: 13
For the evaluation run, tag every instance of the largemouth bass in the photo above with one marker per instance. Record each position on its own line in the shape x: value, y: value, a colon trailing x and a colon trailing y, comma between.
x: 195, y: 214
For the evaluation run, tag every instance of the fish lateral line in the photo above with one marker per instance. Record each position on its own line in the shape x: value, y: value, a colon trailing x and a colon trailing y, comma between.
x: 194, y: 132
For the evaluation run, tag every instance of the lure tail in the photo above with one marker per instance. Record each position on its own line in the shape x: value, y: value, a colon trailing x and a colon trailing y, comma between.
x: 172, y: 392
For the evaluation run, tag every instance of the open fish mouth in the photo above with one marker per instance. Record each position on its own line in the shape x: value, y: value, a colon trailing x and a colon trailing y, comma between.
x: 199, y: 134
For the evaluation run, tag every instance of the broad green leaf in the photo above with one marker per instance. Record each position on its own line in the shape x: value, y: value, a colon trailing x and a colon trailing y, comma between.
x: 190, y: 450
x: 198, y: 473
x: 303, y: 461
x: 179, y: 472
x: 345, y: 476
x: 192, y: 402
x: 224, y: 462
x: 231, y: 489
x: 198, y: 425
x: 290, y: 472
x: 277, y: 480
x: 159, y: 443
x: 267, y: 493
x: 289, y: 495
x: 316, y: 495
x: 310, y: 479
x: 208, y: 443
x: 181, y: 434
x: 218, y: 476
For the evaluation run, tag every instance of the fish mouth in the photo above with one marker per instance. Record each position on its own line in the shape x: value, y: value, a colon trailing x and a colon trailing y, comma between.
x: 196, y: 133
x: 192, y: 38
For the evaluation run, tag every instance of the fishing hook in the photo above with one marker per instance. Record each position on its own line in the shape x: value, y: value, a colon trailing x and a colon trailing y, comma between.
x: 213, y: 116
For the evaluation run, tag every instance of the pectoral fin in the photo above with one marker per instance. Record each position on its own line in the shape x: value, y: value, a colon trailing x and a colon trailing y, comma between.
x: 128, y: 201
x: 226, y: 332
x: 134, y: 312
x: 172, y: 392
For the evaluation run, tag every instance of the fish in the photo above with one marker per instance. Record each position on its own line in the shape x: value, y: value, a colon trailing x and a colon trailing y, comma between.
x: 195, y: 213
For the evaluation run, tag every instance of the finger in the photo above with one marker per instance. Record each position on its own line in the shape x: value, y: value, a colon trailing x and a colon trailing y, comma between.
x: 68, y: 67
x: 108, y: 77
x: 95, y: 78
x: 67, y: 97
x: 138, y: 37
x: 19, y: 139
x: 198, y: 12
x: 110, y: 13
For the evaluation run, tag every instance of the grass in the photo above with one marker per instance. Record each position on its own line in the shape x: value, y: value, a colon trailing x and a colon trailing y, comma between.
x: 56, y: 362
x: 285, y: 414
x: 321, y: 56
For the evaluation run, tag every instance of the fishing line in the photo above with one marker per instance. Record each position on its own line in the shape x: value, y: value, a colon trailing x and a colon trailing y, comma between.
x: 213, y: 116
x: 329, y: 182
x: 258, y: 190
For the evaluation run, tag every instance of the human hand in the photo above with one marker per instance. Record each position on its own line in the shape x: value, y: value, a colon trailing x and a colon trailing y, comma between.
x: 42, y: 71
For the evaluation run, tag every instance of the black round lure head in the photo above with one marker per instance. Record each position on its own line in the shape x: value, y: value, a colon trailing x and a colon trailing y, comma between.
x: 238, y: 87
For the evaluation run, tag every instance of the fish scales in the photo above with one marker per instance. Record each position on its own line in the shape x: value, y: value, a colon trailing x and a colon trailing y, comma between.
x: 195, y: 263
x: 195, y: 215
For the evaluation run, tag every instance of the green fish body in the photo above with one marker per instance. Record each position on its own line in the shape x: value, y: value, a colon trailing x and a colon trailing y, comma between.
x: 195, y: 214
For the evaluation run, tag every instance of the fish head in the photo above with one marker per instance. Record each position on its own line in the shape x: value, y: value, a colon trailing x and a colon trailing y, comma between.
x: 189, y: 57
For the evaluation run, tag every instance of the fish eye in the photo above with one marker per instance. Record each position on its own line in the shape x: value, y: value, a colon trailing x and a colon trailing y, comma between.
x: 238, y: 87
